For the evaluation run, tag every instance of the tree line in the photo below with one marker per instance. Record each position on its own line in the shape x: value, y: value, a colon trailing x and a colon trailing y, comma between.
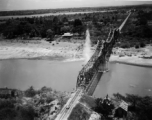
x: 49, y: 26
x: 99, y: 24
x: 39, y: 27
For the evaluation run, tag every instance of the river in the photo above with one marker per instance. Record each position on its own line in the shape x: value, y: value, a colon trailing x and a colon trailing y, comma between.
x: 50, y: 14
x: 62, y: 75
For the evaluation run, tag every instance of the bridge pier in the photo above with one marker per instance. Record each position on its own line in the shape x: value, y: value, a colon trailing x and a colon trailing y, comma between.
x: 107, y: 66
x: 104, y: 66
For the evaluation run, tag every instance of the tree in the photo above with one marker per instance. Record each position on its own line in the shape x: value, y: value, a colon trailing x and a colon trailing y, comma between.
x: 65, y: 29
x: 50, y: 34
x: 45, y: 89
x: 77, y: 22
x: 56, y: 20
x: 103, y: 107
x: 142, y: 45
x: 64, y: 19
x: 32, y: 33
x: 142, y: 18
x: 95, y: 20
x: 26, y: 113
x: 78, y: 27
x: 11, y: 29
x: 8, y: 114
x: 136, y: 46
x: 30, y: 92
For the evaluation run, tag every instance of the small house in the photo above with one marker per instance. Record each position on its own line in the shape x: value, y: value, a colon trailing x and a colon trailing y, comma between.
x: 67, y: 35
x: 121, y: 111
x: 9, y: 93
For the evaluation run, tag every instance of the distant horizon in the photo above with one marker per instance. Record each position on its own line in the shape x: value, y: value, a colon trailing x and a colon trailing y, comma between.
x: 76, y: 7
x: 17, y: 5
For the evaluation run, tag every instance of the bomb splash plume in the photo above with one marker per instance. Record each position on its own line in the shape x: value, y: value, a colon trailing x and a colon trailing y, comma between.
x: 87, y: 47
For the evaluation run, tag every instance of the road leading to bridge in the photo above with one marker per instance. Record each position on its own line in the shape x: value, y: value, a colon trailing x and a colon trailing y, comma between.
x: 68, y: 107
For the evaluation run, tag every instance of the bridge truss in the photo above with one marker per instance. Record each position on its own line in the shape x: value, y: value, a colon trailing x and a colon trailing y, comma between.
x: 91, y: 73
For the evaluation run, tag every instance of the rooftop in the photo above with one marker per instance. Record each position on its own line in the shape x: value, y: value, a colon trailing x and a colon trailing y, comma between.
x: 67, y: 34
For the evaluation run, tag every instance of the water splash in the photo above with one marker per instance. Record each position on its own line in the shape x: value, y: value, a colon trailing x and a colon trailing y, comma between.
x: 87, y: 47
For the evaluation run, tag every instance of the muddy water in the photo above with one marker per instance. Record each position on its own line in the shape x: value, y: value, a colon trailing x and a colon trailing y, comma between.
x: 125, y: 79
x: 62, y: 76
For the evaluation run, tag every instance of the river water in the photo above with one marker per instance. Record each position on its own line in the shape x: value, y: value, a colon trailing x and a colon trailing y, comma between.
x: 50, y: 14
x: 62, y: 75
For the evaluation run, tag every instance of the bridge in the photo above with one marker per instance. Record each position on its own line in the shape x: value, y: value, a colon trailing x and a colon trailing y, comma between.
x: 91, y: 73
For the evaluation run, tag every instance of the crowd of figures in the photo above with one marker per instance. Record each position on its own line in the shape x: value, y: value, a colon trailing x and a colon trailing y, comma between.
x: 101, y: 55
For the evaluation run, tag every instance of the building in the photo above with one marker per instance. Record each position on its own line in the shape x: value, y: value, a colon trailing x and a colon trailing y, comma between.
x: 9, y: 93
x: 67, y: 35
x: 121, y: 111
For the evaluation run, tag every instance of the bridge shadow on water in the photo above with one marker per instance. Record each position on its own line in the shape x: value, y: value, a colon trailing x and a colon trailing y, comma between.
x: 103, y: 85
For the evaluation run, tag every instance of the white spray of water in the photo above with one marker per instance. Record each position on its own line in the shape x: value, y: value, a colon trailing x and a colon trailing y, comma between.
x: 87, y: 47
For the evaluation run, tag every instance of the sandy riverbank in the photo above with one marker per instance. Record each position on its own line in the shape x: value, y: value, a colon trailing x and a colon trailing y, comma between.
x: 133, y: 56
x: 69, y: 51
x: 34, y: 49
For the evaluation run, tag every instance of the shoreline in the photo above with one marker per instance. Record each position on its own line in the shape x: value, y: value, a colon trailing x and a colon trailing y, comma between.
x: 132, y: 56
x: 53, y: 14
x: 134, y: 61
x: 67, y: 52
x: 41, y: 50
x: 63, y: 59
x: 133, y: 64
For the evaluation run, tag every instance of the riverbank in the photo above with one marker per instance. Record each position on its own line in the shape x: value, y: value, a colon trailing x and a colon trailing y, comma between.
x: 135, y: 61
x: 53, y: 14
x: 40, y: 49
x: 133, y: 56
x: 69, y: 51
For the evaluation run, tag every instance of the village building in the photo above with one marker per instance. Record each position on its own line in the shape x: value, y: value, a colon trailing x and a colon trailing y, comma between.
x: 9, y: 93
x: 67, y: 35
x: 121, y: 111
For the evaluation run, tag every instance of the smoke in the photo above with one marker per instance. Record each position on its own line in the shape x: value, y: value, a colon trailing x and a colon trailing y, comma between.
x: 87, y: 47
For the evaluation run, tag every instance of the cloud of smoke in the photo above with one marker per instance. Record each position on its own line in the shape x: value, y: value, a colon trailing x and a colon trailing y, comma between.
x: 87, y: 47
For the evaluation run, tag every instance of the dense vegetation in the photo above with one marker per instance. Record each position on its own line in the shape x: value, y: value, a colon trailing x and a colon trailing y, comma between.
x: 50, y: 26
x: 103, y: 108
x: 139, y: 107
x: 138, y: 30
x: 31, y: 105
x: 136, y: 33
x: 9, y: 111
x: 40, y: 27
x: 79, y: 113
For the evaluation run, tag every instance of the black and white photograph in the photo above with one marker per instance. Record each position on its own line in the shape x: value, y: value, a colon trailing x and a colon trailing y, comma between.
x: 75, y: 59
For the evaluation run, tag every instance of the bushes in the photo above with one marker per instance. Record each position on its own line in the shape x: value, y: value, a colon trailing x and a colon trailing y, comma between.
x: 79, y: 113
x: 141, y: 106
x: 125, y: 45
x: 26, y: 113
x: 7, y: 104
x: 142, y: 45
x: 103, y: 108
x: 136, y: 46
x: 9, y: 111
x: 30, y: 92
x: 8, y: 114
x: 128, y: 45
